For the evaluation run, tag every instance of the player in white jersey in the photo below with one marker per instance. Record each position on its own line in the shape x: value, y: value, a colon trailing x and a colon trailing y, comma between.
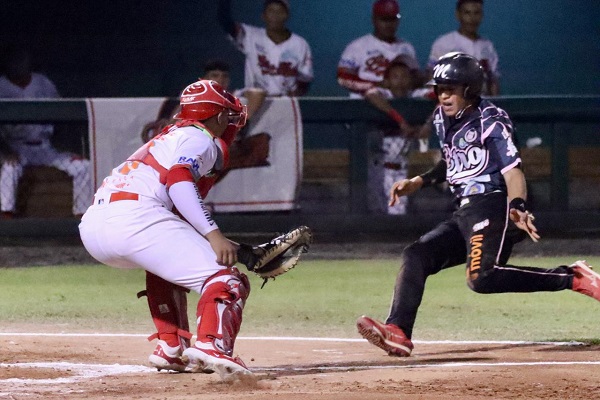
x: 29, y: 144
x: 149, y: 214
x: 362, y: 69
x: 396, y: 138
x: 365, y: 60
x: 466, y: 39
x: 277, y: 60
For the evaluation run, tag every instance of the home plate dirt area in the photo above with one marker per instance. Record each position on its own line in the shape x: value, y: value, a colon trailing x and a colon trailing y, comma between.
x: 106, y: 366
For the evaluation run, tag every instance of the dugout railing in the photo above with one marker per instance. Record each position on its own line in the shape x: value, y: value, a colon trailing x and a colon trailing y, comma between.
x: 562, y: 123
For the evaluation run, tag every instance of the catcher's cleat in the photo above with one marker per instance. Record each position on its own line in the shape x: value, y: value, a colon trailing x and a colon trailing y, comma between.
x: 204, y: 358
x: 585, y: 280
x: 167, y: 357
x: 388, y: 337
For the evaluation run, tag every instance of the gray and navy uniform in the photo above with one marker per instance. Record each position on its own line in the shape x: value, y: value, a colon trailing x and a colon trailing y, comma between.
x: 478, y: 148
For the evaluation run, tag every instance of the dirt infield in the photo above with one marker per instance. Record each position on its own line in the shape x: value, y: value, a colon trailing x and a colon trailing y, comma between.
x: 80, y: 366
x: 38, y: 362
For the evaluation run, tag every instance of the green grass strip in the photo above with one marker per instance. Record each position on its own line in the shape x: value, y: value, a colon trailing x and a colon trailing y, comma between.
x: 317, y: 299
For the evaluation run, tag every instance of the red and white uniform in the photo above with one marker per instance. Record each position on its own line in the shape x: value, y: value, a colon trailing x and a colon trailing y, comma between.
x: 363, y: 64
x: 132, y: 222
x: 276, y: 68
x: 388, y: 165
x: 364, y: 61
x: 31, y: 142
x: 482, y: 49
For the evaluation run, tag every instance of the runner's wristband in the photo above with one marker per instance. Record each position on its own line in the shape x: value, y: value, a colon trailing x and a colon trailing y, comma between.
x: 518, y: 204
x: 435, y: 175
x: 395, y: 115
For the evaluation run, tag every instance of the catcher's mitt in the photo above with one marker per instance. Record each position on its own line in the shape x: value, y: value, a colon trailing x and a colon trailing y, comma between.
x: 278, y: 256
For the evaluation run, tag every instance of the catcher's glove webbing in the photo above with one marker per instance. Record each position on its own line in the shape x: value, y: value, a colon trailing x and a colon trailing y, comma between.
x: 278, y: 256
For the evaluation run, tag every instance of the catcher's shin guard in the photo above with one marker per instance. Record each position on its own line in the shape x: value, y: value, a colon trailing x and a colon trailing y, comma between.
x: 220, y: 308
x: 168, y: 308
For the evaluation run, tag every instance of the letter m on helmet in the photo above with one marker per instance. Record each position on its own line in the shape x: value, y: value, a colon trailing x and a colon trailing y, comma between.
x: 441, y: 71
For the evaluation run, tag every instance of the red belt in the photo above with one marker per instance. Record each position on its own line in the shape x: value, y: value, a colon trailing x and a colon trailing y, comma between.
x: 118, y: 196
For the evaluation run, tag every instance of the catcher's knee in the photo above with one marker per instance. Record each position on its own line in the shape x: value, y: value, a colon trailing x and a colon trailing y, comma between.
x: 220, y: 307
x: 227, y: 285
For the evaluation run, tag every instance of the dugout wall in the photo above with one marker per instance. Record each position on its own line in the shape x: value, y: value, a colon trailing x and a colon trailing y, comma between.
x: 565, y: 169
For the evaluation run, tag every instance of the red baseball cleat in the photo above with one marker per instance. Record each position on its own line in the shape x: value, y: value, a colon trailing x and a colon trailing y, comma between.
x: 388, y: 337
x: 204, y: 357
x: 585, y: 280
x: 167, y: 357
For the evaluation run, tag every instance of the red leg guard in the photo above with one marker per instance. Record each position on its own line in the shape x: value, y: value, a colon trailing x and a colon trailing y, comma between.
x: 220, y: 308
x: 168, y: 308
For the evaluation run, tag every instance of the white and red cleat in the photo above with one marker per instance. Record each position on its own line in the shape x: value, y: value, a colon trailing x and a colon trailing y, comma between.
x: 585, y: 280
x: 205, y: 358
x: 167, y: 357
x: 387, y: 337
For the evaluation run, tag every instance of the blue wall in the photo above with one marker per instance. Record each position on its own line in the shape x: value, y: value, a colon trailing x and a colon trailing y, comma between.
x: 545, y: 46
x: 156, y: 47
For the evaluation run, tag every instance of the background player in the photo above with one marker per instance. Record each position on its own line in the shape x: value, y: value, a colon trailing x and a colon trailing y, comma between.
x: 362, y: 69
x: 30, y: 144
x: 466, y: 39
x: 391, y: 143
x: 482, y: 166
x: 277, y: 60
x: 218, y: 71
x: 364, y: 60
x: 133, y: 224
x: 215, y: 70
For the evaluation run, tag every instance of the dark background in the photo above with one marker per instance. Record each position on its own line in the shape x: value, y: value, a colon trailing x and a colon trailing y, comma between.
x: 154, y: 48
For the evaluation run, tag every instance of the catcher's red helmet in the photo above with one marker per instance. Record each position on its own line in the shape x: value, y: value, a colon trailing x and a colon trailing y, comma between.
x: 204, y: 99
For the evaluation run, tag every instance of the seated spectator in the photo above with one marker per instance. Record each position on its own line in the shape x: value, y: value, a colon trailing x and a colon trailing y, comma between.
x: 216, y: 70
x: 30, y: 144
x: 245, y: 151
x: 277, y: 60
x: 466, y: 39
x: 388, y: 160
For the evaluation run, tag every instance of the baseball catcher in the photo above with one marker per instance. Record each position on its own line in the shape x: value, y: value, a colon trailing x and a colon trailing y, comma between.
x: 150, y: 211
